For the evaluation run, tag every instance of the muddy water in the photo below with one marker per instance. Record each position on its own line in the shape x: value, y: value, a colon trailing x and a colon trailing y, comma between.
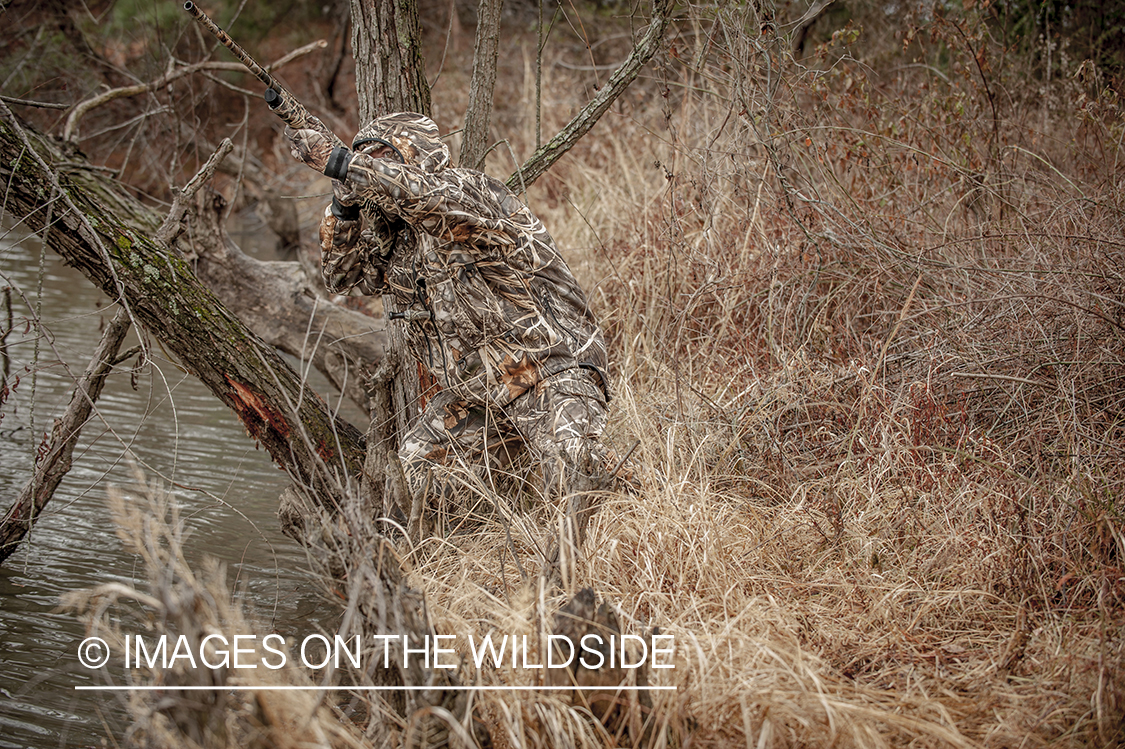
x: 167, y: 422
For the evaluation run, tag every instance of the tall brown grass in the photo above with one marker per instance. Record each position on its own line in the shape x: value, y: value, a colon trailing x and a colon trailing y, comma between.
x: 868, y: 323
x: 867, y: 318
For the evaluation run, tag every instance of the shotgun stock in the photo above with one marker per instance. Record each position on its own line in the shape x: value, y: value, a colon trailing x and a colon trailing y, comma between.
x: 278, y: 98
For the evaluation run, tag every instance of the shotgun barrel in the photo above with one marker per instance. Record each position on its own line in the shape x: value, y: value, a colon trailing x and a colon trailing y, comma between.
x: 278, y: 98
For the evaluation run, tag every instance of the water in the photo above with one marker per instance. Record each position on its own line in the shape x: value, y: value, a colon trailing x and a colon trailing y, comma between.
x: 178, y: 432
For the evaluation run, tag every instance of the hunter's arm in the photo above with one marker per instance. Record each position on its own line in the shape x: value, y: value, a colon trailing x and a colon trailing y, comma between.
x: 354, y: 249
x: 454, y: 205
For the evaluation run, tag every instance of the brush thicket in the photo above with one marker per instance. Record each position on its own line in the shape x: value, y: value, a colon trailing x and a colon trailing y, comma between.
x: 867, y: 319
x: 868, y: 323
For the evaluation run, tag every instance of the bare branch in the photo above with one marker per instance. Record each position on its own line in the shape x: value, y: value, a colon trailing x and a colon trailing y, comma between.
x: 547, y: 155
x: 31, y: 103
x: 173, y: 74
x: 299, y: 52
x: 58, y: 457
x: 805, y: 23
x: 171, y: 224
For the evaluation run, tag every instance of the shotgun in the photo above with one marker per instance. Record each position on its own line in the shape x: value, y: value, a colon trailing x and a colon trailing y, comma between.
x: 279, y: 100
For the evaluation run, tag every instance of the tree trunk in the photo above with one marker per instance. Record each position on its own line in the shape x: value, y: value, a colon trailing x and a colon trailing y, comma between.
x: 478, y: 116
x: 105, y: 233
x: 391, y: 77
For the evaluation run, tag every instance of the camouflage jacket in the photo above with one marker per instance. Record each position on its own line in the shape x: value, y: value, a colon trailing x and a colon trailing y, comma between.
x: 490, y: 305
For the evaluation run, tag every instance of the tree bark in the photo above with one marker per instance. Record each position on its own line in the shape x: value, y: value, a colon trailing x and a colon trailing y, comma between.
x: 478, y: 116
x: 391, y: 77
x: 105, y: 233
x: 390, y: 73
x: 59, y: 453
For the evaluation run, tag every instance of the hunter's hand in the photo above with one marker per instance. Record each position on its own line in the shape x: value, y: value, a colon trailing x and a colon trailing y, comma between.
x: 309, y: 146
x: 343, y: 193
x: 319, y: 151
x: 345, y: 203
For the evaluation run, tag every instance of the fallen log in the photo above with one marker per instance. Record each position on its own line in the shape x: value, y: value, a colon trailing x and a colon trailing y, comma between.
x: 101, y: 230
x: 106, y: 234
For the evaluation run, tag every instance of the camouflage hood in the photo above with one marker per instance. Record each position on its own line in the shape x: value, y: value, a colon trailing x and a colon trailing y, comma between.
x: 414, y: 136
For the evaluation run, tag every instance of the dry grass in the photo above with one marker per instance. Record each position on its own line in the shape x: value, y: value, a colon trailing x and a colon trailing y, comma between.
x: 182, y: 602
x: 869, y: 332
x: 867, y: 322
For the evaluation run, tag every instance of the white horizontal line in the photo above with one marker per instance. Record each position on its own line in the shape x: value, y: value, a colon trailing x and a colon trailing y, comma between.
x: 284, y: 688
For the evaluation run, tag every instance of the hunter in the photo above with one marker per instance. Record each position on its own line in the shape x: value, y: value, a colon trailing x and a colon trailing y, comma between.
x: 491, y: 309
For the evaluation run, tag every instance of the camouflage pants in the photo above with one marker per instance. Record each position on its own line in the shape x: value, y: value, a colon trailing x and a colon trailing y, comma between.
x: 559, y: 422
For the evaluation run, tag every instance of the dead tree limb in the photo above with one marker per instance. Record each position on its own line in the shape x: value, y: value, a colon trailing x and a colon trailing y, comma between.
x: 173, y: 73
x: 107, y: 235
x: 5, y: 359
x: 58, y: 455
x: 552, y: 151
x: 180, y: 198
x: 277, y: 301
x: 279, y: 213
x: 31, y: 103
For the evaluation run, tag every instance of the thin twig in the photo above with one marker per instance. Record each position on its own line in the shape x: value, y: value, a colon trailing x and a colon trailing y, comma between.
x: 31, y: 103
x: 174, y: 73
x: 168, y: 229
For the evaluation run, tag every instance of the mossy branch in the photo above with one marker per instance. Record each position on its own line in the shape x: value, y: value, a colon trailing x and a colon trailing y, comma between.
x: 108, y: 236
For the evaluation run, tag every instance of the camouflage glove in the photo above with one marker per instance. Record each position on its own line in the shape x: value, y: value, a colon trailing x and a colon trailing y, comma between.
x: 345, y: 203
x: 319, y: 151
